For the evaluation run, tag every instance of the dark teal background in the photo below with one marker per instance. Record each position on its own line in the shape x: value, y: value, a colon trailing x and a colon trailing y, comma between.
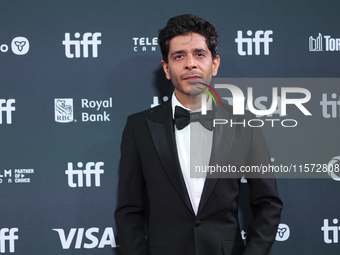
x: 132, y: 79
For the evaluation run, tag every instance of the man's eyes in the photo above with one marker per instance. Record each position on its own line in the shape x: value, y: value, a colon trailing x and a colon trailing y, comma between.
x: 198, y: 55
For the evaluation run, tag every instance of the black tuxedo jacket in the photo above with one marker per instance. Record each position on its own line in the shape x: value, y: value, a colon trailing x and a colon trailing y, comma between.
x: 154, y: 215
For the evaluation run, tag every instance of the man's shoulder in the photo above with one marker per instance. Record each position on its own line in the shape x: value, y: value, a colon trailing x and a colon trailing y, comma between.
x: 155, y: 112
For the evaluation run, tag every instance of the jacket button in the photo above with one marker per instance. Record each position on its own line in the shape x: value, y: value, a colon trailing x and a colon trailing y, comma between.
x: 197, y: 223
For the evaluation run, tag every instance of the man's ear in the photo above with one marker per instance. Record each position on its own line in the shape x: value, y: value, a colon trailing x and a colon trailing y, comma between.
x: 216, y: 65
x: 166, y: 70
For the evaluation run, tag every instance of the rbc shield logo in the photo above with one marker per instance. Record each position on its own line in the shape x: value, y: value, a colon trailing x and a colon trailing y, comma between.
x: 63, y: 110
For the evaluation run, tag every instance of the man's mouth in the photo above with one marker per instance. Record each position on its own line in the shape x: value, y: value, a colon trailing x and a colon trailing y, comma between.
x: 192, y: 78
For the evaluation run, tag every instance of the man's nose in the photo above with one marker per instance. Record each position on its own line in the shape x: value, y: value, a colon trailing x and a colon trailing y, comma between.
x: 191, y: 62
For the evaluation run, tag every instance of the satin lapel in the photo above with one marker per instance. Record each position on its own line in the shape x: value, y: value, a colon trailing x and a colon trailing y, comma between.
x: 163, y: 136
x: 222, y: 141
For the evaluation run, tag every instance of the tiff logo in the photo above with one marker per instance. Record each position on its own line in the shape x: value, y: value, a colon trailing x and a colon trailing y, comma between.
x: 330, y: 108
x: 330, y: 233
x: 72, y: 47
x: 9, y: 235
x: 261, y: 38
x: 91, y: 169
x: 7, y: 106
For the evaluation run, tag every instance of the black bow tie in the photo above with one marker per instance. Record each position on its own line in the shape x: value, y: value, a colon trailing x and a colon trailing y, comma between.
x: 184, y: 117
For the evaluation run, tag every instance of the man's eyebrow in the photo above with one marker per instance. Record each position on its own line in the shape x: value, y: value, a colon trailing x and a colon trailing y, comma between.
x: 200, y: 50
x: 182, y: 51
x: 177, y: 52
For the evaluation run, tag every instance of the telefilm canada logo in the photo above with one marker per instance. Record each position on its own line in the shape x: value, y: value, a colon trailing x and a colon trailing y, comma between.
x: 19, y: 46
x: 143, y: 44
x: 278, y: 102
x: 324, y: 43
x: 16, y: 175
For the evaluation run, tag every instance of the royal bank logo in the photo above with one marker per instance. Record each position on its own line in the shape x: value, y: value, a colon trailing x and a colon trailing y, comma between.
x: 326, y: 42
x: 63, y: 110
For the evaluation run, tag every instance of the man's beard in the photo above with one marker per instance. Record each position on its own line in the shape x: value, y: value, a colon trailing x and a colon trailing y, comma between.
x: 194, y: 91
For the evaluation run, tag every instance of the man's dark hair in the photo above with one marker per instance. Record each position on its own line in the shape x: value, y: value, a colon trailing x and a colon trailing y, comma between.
x: 185, y: 24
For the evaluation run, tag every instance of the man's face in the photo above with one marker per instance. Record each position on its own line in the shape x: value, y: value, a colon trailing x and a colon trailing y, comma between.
x: 189, y: 64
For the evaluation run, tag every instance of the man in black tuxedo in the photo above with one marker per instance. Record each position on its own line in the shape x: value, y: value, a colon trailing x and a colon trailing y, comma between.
x: 161, y: 209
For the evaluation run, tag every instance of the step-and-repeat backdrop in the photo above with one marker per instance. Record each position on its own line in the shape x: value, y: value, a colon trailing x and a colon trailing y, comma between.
x: 72, y: 71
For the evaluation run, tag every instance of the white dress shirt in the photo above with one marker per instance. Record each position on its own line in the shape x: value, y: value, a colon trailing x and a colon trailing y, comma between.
x: 194, y: 144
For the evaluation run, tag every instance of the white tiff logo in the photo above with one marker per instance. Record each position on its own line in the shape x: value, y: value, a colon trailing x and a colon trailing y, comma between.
x: 261, y: 37
x: 8, y: 108
x: 85, y: 43
x: 9, y: 235
x: 330, y: 231
x: 91, y: 169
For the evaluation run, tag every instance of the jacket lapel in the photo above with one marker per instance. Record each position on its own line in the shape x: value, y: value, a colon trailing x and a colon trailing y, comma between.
x: 162, y: 132
x: 222, y: 141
